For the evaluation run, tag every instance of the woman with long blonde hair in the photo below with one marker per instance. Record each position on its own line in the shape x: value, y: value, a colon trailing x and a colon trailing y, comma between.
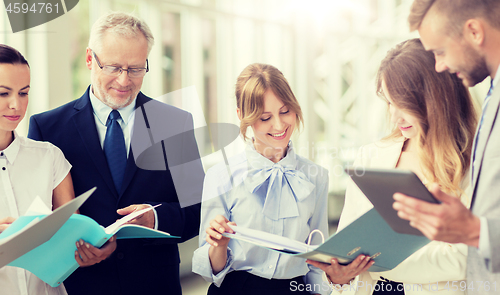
x: 434, y: 121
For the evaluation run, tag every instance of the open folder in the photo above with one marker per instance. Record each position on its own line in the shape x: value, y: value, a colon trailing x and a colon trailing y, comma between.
x: 369, y: 235
x: 45, y: 244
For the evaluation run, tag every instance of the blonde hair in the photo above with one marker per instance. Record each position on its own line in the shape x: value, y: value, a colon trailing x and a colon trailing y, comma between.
x: 123, y: 24
x: 252, y: 84
x: 441, y: 103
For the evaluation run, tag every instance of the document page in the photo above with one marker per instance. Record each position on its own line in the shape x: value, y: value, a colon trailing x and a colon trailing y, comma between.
x: 268, y: 240
x: 117, y: 224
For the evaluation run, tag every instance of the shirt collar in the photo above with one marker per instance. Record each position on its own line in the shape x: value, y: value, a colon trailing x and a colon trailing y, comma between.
x: 497, y: 77
x: 102, y: 111
x: 256, y: 160
x: 285, y: 186
x: 13, y: 149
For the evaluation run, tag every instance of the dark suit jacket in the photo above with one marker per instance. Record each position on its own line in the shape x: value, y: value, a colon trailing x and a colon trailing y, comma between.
x: 138, y: 266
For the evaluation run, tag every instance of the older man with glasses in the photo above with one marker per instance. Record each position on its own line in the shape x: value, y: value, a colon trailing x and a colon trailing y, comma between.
x: 95, y: 133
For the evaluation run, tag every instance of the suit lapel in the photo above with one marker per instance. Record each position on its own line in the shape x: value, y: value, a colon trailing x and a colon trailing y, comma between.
x: 85, y: 124
x: 491, y: 113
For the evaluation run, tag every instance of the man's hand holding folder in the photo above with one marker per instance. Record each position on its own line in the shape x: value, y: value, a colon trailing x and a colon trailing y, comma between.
x: 146, y: 219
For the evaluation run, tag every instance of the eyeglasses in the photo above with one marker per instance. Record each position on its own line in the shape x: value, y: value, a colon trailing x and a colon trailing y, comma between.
x: 117, y: 71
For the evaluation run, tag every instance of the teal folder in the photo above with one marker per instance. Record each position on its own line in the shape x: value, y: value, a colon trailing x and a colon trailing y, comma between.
x: 54, y: 260
x: 14, y: 244
x: 369, y: 235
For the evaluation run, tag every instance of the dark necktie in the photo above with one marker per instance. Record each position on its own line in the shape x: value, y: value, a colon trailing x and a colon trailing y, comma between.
x: 114, y: 149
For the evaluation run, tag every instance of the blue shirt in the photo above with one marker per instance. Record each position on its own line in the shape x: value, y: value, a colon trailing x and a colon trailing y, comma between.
x: 247, y: 199
x: 127, y: 114
x: 101, y: 113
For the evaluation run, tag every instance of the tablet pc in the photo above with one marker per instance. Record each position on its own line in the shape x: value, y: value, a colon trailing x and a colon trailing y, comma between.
x: 379, y: 185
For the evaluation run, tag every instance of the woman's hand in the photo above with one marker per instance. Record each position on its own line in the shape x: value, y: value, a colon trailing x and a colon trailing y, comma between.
x: 87, y: 255
x: 6, y: 222
x: 343, y: 274
x: 218, y: 249
x: 218, y: 226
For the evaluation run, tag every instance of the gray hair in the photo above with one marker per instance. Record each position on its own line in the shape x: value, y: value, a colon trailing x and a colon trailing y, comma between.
x: 123, y: 24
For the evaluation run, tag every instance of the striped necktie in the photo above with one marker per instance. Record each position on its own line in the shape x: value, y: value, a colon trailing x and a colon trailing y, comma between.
x: 485, y: 105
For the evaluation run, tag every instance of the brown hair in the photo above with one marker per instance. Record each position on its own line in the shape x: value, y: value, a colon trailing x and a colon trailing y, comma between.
x: 457, y: 12
x: 10, y: 55
x: 441, y: 103
x: 252, y: 84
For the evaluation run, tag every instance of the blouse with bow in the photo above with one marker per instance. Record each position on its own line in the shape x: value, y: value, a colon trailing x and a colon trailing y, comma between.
x: 288, y: 198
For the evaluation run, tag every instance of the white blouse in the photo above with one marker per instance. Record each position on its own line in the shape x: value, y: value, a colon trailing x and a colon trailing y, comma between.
x: 28, y: 169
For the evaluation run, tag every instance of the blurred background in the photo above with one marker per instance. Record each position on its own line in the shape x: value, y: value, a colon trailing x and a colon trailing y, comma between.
x: 329, y: 50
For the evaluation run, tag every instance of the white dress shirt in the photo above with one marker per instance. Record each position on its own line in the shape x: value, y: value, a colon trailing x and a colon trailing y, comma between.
x: 28, y: 169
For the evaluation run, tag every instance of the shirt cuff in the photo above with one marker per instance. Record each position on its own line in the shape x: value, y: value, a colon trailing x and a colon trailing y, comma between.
x: 202, y: 266
x: 219, y: 278
x: 484, y: 244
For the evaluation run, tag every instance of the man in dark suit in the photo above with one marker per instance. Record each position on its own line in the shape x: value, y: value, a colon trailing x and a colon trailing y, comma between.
x: 464, y: 36
x: 98, y: 134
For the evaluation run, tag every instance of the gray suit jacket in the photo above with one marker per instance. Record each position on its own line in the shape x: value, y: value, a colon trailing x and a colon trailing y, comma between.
x: 486, y: 200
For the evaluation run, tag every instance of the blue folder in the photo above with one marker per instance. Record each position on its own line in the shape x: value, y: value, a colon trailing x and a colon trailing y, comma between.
x: 369, y: 235
x: 54, y: 260
x: 14, y: 245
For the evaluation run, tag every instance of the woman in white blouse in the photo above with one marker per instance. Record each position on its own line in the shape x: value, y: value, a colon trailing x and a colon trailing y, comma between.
x: 27, y: 169
x: 267, y: 187
x: 434, y: 123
